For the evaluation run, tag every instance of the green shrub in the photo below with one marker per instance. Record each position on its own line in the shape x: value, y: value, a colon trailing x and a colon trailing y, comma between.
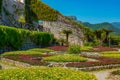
x: 41, y: 38
x: 74, y: 49
x: 37, y: 73
x: 65, y: 58
x: 15, y: 37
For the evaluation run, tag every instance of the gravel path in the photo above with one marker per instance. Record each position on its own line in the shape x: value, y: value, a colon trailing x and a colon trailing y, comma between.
x: 5, y: 66
x: 102, y: 75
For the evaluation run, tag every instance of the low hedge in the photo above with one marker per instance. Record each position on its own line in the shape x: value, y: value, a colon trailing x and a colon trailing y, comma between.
x: 15, y: 37
x: 36, y: 73
x: 65, y: 58
x: 35, y: 51
x: 111, y: 54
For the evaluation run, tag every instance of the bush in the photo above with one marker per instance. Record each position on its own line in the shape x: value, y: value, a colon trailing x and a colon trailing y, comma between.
x: 74, y: 49
x: 36, y: 73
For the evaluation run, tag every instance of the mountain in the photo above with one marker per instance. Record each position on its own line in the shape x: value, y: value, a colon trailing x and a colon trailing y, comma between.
x: 105, y: 25
x: 116, y: 24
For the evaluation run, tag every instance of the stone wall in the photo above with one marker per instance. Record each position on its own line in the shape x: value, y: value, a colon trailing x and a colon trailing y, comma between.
x: 56, y: 27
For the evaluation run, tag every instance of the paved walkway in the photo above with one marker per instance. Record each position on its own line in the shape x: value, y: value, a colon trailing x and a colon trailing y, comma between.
x: 102, y: 75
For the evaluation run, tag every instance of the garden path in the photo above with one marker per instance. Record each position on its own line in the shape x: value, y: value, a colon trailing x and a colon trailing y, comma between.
x: 6, y: 66
x: 102, y: 75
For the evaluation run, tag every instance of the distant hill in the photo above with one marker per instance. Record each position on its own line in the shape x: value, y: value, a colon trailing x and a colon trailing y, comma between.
x: 116, y: 24
x: 106, y: 25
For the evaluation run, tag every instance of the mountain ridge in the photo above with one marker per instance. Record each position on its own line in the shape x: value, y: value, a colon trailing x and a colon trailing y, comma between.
x: 106, y: 25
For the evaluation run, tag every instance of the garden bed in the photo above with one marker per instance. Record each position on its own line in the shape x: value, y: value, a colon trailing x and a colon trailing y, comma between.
x: 102, y: 63
x: 58, y: 48
x: 42, y: 73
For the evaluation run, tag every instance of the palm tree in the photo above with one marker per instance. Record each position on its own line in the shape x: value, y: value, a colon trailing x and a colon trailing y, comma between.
x: 107, y: 32
x: 67, y: 33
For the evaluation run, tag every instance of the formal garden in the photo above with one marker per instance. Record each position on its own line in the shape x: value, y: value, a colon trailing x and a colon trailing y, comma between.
x: 53, y: 62
x: 37, y: 55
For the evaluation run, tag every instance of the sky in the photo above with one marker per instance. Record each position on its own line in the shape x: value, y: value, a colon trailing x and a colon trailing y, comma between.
x: 93, y: 11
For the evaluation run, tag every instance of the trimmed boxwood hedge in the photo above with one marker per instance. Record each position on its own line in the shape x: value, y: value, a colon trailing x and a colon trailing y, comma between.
x: 15, y: 37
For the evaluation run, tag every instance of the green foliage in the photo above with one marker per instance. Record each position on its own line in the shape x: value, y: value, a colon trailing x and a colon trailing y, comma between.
x: 42, y: 73
x: 14, y: 37
x: 39, y: 11
x: 41, y: 38
x: 74, y: 49
x: 114, y: 39
x: 65, y: 58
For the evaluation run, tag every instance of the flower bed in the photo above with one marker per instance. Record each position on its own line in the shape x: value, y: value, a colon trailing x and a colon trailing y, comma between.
x: 65, y: 58
x: 29, y: 56
x: 101, y: 49
x: 36, y: 73
x: 29, y: 59
x: 58, y: 48
x: 102, y: 61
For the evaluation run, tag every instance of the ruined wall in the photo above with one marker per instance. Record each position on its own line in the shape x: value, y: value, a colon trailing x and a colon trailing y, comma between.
x: 56, y: 27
